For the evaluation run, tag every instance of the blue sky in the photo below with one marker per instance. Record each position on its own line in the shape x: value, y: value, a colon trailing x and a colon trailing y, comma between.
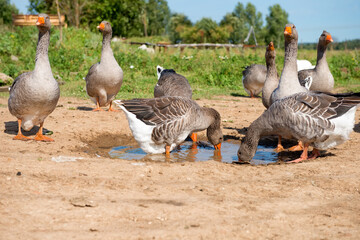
x: 311, y: 17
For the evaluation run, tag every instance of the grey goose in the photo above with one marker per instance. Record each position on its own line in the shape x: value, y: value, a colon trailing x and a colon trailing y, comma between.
x: 34, y: 95
x: 323, y: 80
x: 317, y: 119
x: 160, y: 124
x: 104, y: 78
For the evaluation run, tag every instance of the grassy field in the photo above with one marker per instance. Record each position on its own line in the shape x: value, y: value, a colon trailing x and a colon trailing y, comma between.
x: 210, y: 72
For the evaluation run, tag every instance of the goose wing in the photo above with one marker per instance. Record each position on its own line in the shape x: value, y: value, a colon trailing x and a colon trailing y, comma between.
x: 157, y: 111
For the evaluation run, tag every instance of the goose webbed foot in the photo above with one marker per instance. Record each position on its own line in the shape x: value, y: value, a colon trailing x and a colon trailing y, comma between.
x: 111, y: 109
x: 314, y: 154
x: 40, y: 137
x: 21, y: 137
x: 303, y: 156
x: 298, y: 147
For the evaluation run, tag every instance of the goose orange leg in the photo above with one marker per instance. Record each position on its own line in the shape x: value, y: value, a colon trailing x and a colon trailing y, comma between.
x: 40, y: 137
x: 112, y: 109
x: 97, y: 106
x: 297, y: 147
x: 251, y: 94
x: 303, y: 156
x: 279, y: 147
x: 314, y: 154
x: 194, y: 137
x: 20, y: 136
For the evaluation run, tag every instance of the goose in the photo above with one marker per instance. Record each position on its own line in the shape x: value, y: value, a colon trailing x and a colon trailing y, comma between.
x: 171, y: 83
x: 317, y: 119
x: 34, y: 95
x: 253, y: 79
x: 104, y: 78
x: 289, y: 82
x: 160, y: 124
x: 323, y: 80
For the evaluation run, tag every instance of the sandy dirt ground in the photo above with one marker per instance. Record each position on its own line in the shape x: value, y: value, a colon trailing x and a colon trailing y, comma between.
x: 97, y: 197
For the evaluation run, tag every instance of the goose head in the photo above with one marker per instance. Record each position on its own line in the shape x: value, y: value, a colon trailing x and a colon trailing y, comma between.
x: 246, y: 151
x: 104, y: 27
x: 290, y: 32
x: 159, y: 69
x: 325, y: 38
x: 43, y: 22
x: 270, y: 51
x: 214, y: 132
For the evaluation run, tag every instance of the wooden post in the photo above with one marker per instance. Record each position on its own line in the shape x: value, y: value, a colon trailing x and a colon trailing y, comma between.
x: 59, y: 15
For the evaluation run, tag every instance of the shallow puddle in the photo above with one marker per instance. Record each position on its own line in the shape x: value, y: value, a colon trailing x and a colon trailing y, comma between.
x: 203, y: 152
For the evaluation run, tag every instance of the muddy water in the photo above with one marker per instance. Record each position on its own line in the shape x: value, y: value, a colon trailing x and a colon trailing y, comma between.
x: 203, y: 152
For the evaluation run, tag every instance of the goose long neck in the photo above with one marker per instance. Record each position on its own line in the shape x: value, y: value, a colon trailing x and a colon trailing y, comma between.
x: 42, y: 59
x: 271, y: 68
x: 106, y: 47
x: 321, y: 56
x: 291, y: 55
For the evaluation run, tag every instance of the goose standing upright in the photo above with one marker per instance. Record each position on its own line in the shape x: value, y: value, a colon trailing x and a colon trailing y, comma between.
x: 104, y: 78
x: 272, y: 76
x: 160, y: 124
x: 289, y: 82
x: 317, y: 119
x: 323, y: 80
x: 253, y: 79
x: 34, y: 95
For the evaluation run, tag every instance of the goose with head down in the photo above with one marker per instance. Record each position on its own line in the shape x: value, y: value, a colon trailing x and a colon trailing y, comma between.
x: 160, y: 124
x: 34, y: 95
x: 172, y: 84
x: 317, y: 119
x: 104, y: 78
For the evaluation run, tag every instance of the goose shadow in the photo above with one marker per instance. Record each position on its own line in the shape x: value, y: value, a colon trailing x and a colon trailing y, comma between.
x: 239, y: 130
x: 242, y: 96
x: 357, y: 127
x: 82, y: 108
x: 11, y: 128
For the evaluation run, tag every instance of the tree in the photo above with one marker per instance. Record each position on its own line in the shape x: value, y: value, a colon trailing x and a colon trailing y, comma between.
x: 42, y: 6
x: 236, y: 27
x: 157, y: 13
x: 241, y: 19
x: 275, y: 23
x: 176, y: 25
x: 205, y: 30
x: 124, y: 16
x: 6, y: 11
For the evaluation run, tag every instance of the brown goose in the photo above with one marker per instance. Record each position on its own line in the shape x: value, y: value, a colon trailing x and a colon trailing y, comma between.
x: 253, y: 79
x: 323, y: 81
x: 104, y: 78
x: 34, y: 95
x: 171, y: 84
x: 320, y: 120
x: 160, y: 124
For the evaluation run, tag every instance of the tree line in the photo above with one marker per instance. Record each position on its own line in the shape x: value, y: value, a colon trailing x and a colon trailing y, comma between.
x: 136, y: 18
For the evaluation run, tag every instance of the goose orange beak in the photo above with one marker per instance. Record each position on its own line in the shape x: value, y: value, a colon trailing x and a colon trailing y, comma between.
x: 271, y: 46
x: 218, y: 146
x: 101, y: 26
x: 40, y: 21
x: 287, y: 31
x: 329, y: 39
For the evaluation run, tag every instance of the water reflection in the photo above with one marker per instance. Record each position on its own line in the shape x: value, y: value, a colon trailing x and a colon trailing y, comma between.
x: 192, y: 153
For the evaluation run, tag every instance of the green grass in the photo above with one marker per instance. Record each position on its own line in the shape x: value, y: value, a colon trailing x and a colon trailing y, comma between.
x: 210, y: 72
